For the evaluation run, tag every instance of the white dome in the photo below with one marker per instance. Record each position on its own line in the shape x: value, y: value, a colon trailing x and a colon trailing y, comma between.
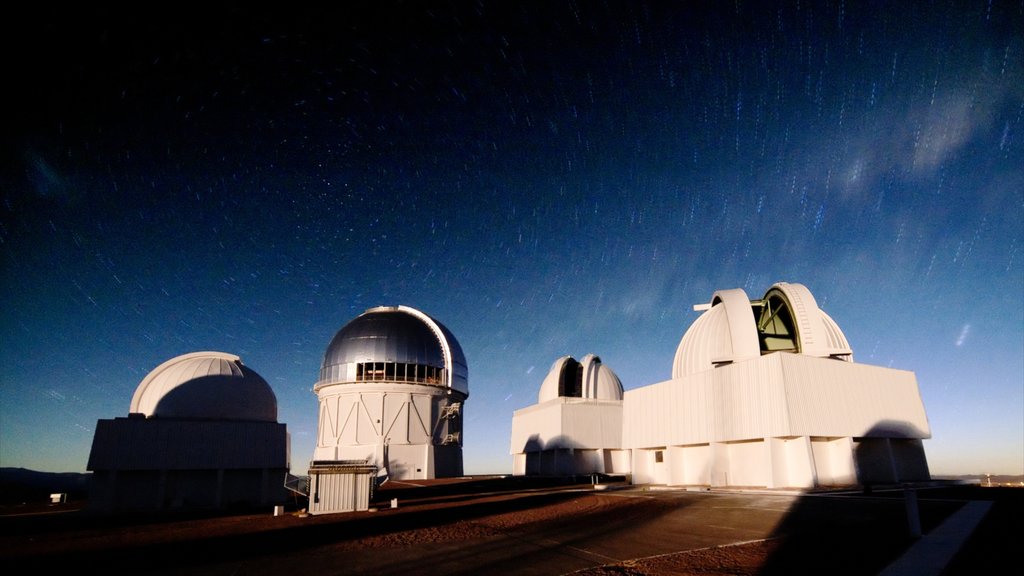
x: 549, y: 387
x: 734, y: 328
x: 588, y: 378
x: 207, y: 385
x: 599, y: 381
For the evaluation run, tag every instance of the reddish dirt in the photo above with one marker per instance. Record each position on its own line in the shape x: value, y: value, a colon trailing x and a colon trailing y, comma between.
x: 61, y: 534
x: 62, y: 531
x: 739, y: 560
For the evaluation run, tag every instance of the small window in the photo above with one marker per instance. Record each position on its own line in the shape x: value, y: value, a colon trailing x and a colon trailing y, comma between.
x: 399, y: 372
x: 659, y: 456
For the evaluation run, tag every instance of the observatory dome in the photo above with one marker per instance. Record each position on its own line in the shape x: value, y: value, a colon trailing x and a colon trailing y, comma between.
x: 588, y: 378
x: 206, y: 385
x: 404, y: 344
x: 734, y: 328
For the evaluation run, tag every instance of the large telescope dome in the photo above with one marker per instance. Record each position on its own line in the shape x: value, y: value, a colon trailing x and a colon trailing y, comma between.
x: 734, y: 328
x: 395, y: 344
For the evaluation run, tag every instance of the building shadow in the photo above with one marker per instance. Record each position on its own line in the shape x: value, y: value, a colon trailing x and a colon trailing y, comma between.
x: 862, y: 528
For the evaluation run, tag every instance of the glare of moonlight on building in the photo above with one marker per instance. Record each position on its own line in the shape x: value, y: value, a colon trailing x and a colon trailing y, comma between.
x: 764, y: 393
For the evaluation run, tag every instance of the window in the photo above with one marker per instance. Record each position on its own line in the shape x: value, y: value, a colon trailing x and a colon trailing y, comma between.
x: 399, y: 372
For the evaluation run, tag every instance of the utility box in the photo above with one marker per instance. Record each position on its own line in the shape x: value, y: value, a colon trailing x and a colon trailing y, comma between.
x: 340, y: 486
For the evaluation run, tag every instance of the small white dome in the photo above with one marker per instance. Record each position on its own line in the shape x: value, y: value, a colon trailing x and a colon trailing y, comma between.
x: 549, y: 387
x: 206, y: 385
x: 599, y: 381
x: 588, y: 378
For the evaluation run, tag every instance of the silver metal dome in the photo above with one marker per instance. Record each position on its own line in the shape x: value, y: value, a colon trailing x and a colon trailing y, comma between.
x: 394, y: 335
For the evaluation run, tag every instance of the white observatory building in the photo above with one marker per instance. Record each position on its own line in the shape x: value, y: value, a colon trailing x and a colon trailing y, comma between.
x: 392, y: 387
x: 201, y: 432
x: 764, y: 393
x: 576, y: 425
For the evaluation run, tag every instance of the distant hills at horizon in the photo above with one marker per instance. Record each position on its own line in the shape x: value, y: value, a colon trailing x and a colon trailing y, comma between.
x: 984, y: 478
x: 23, y: 485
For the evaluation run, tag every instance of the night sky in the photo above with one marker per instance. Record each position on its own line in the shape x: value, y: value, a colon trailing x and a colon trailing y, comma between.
x: 544, y: 178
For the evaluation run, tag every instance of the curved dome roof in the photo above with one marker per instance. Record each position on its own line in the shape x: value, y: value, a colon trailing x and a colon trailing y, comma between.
x: 208, y: 385
x: 588, y: 378
x: 549, y: 387
x: 599, y: 381
x: 734, y: 328
x: 394, y: 334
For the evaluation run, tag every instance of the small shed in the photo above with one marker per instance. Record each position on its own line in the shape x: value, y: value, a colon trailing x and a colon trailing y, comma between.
x: 340, y: 486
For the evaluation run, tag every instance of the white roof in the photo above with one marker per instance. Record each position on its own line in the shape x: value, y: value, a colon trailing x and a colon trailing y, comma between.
x: 207, y: 385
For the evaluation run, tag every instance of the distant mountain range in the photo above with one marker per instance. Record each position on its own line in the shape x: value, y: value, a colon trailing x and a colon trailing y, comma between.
x: 983, y: 479
x: 19, y: 485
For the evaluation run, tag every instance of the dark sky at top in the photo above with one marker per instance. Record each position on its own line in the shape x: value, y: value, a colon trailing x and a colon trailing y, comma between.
x: 545, y: 178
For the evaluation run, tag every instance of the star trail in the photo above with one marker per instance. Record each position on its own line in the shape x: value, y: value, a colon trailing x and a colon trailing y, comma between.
x: 545, y: 179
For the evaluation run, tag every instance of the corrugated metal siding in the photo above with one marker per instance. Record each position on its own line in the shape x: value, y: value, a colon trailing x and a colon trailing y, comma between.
x: 833, y: 398
x: 646, y: 415
x: 748, y: 400
x: 775, y: 395
x: 734, y: 402
x: 586, y: 423
x: 332, y: 492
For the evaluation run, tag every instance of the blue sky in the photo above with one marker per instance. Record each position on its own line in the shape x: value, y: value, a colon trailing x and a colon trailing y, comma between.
x: 543, y: 179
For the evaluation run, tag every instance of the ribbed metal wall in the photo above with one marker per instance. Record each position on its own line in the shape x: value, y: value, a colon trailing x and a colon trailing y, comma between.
x: 832, y: 398
x: 331, y: 492
x: 775, y: 395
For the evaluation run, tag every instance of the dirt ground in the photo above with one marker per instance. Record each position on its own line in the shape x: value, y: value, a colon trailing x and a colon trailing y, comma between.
x: 51, y: 537
x: 435, y: 517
